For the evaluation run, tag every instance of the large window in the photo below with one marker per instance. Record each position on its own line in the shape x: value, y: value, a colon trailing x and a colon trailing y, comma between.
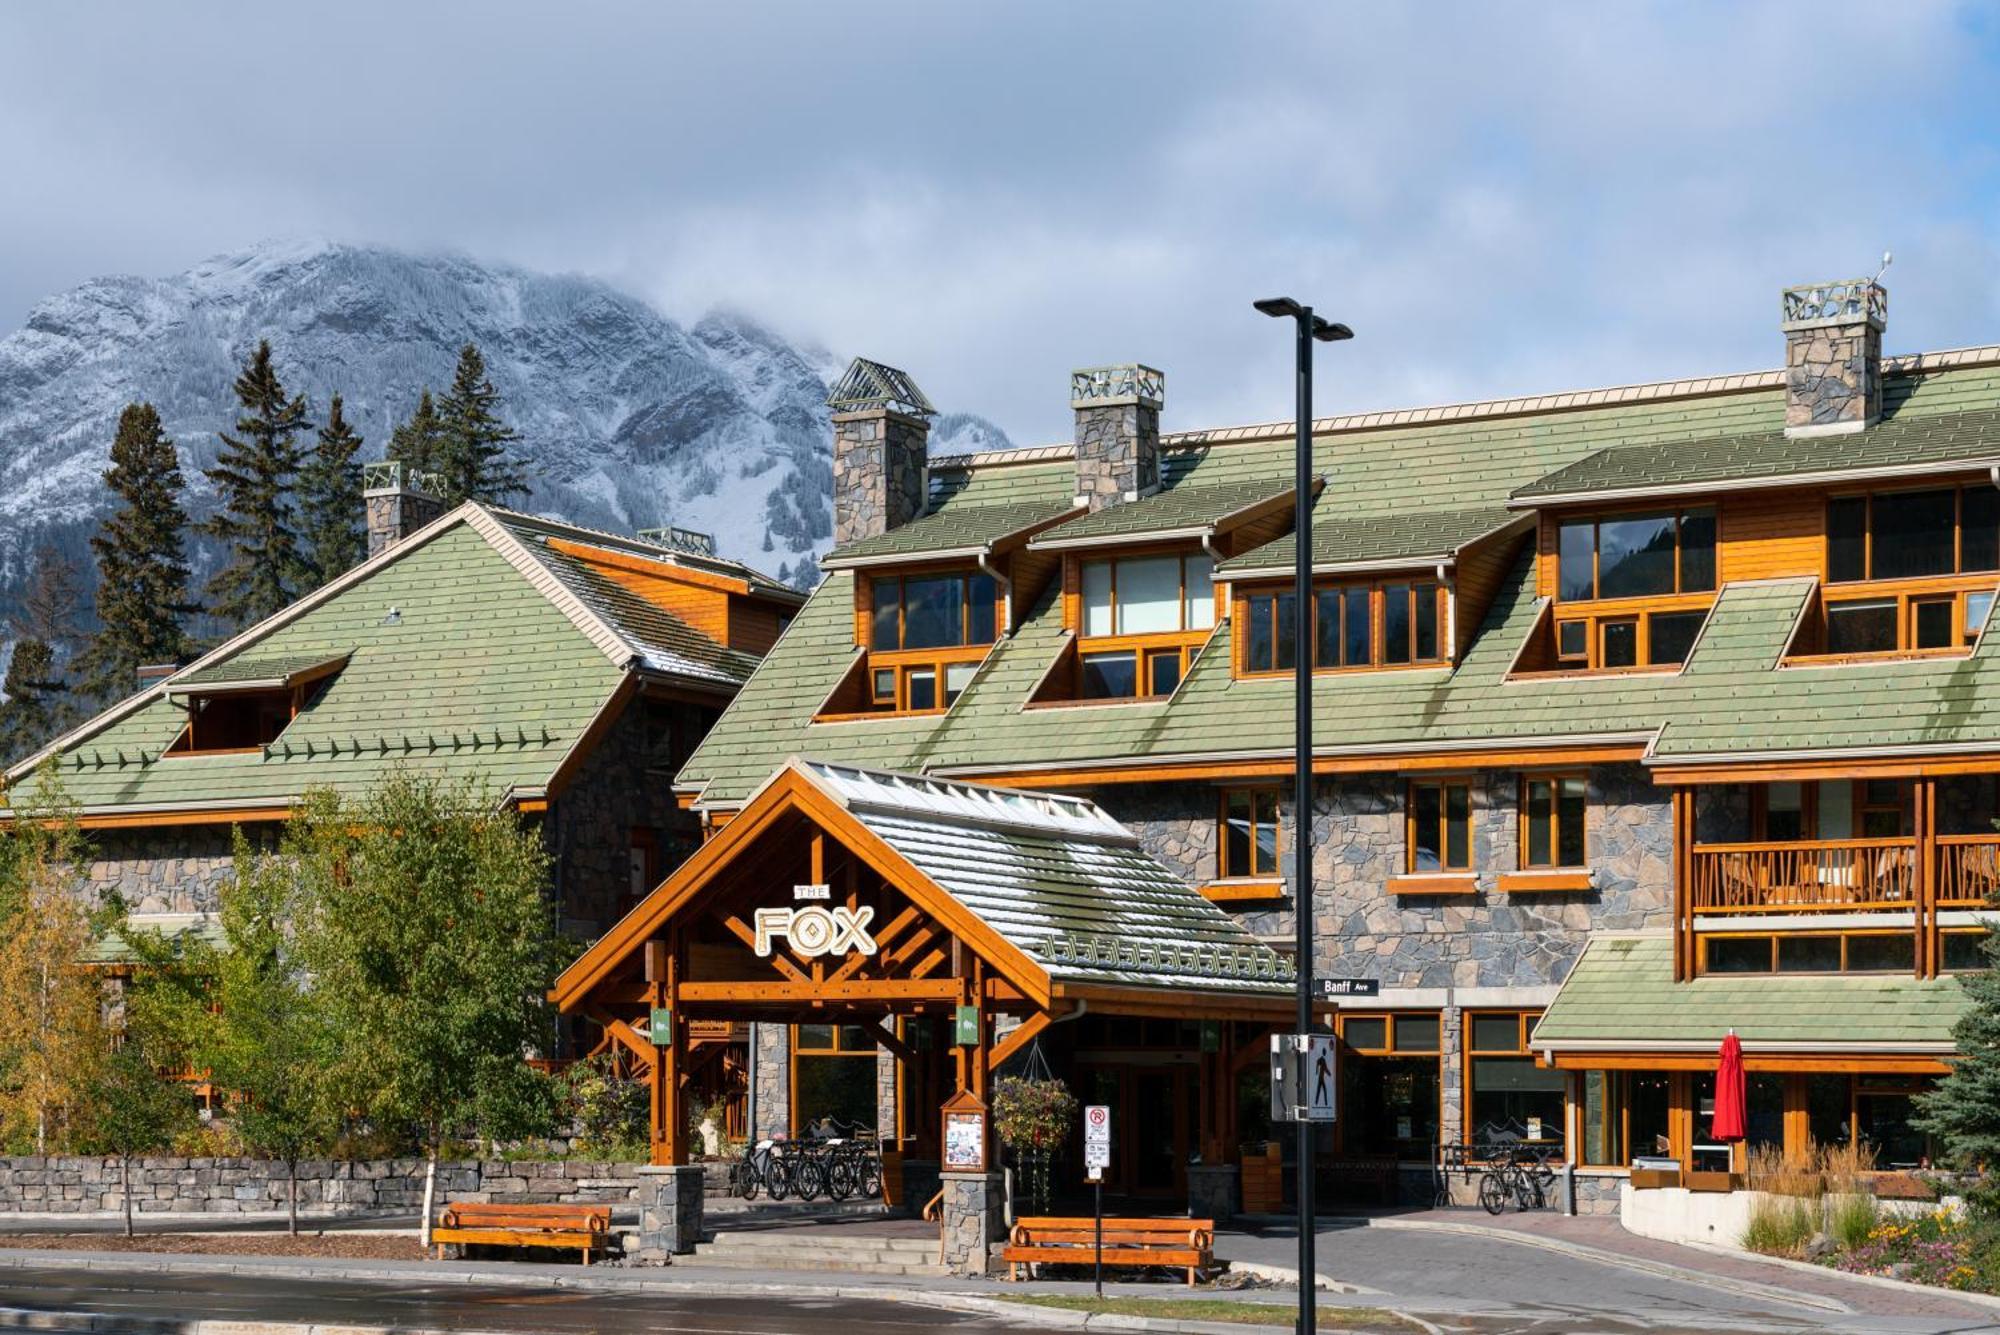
x: 1509, y: 1097
x: 1912, y: 534
x: 1147, y: 595
x: 1903, y: 621
x: 833, y: 1076
x: 1636, y: 555
x: 1552, y: 817
x: 1389, y: 1083
x: 1249, y: 833
x: 1624, y: 1114
x: 1142, y: 619
x: 926, y: 635
x: 931, y: 611
x: 1392, y: 623
x: 1439, y: 826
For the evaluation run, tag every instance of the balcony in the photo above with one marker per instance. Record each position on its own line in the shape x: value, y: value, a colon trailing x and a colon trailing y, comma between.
x: 1840, y: 875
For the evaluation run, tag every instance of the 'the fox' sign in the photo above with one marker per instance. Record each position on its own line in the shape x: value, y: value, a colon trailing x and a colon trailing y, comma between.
x: 815, y: 931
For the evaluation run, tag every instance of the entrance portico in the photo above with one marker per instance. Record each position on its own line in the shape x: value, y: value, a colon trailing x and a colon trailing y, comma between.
x: 952, y: 923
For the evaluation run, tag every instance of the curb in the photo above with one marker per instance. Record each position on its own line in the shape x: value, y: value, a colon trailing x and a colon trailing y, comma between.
x: 1289, y: 1275
x: 1879, y: 1281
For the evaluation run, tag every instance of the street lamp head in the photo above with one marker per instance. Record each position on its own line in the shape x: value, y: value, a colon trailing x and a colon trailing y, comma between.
x: 1328, y: 332
x: 1280, y: 308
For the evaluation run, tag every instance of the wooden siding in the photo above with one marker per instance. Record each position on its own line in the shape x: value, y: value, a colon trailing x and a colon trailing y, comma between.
x: 1482, y: 568
x: 1771, y: 535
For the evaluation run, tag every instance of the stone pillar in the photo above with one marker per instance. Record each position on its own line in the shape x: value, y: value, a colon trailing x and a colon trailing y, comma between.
x: 1833, y: 356
x: 1117, y: 432
x: 881, y: 431
x: 973, y: 1220
x: 773, y: 1095
x: 1212, y: 1190
x: 670, y: 1212
x: 398, y: 503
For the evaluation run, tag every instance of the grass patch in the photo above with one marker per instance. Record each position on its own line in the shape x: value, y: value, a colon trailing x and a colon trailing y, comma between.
x: 1781, y: 1225
x: 1216, y: 1309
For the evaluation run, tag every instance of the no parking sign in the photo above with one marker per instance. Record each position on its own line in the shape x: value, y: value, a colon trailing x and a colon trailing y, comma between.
x: 1096, y: 1140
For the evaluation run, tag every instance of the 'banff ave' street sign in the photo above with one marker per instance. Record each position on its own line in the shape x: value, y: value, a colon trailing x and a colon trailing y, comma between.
x: 1350, y: 987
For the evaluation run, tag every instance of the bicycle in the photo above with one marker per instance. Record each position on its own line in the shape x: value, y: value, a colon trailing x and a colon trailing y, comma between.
x: 1510, y: 1179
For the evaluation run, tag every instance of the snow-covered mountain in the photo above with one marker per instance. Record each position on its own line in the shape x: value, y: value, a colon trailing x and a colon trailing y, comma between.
x: 628, y: 419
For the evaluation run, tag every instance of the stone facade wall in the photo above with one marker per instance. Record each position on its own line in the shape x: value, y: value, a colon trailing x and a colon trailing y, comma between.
x: 878, y: 473
x: 237, y: 1186
x: 170, y: 869
x: 623, y: 785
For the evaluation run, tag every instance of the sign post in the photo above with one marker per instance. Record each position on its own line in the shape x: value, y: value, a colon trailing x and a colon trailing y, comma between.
x: 1097, y: 1158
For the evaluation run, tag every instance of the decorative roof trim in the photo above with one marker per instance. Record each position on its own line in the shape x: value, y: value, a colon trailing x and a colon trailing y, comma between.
x: 1916, y: 363
x: 1822, y: 477
x: 1833, y: 1045
x: 907, y: 558
x: 1319, y: 752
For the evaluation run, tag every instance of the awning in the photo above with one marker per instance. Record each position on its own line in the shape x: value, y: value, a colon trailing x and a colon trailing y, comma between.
x: 1621, y: 1008
x: 1057, y: 901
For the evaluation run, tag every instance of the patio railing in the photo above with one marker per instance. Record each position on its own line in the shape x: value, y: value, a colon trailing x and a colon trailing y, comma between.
x: 1817, y: 875
x: 1968, y: 869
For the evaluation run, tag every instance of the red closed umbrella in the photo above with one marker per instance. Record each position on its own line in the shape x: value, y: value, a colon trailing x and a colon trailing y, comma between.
x: 1729, y: 1095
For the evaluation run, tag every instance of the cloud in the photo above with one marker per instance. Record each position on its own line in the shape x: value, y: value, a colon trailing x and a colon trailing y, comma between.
x: 1500, y: 199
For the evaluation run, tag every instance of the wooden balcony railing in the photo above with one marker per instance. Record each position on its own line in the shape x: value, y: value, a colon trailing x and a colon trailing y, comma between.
x: 1968, y: 873
x: 1817, y: 875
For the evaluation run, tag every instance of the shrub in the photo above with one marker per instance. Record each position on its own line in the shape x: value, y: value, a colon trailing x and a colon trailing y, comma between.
x: 1781, y: 1225
x: 1851, y: 1218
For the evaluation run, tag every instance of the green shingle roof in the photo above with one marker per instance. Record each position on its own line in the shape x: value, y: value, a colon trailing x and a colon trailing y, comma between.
x: 245, y: 668
x: 955, y: 528
x: 1414, y: 536
x: 1060, y: 881
x: 1732, y: 698
x: 1902, y: 442
x: 1189, y: 505
x: 115, y: 945
x: 1622, y: 992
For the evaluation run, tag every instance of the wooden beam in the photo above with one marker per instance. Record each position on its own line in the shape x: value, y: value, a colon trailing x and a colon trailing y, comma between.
x: 742, y: 932
x: 887, y: 1038
x: 878, y: 989
x: 1022, y: 1034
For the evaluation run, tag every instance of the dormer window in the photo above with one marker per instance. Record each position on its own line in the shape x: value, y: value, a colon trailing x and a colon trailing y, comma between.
x: 1142, y: 621
x: 1384, y: 623
x: 242, y: 705
x: 925, y: 633
x: 1649, y: 555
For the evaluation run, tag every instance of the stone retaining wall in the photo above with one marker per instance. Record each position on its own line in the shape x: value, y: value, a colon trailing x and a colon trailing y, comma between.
x: 231, y: 1186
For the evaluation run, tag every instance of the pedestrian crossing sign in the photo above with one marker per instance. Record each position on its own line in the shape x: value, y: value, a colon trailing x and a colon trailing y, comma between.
x: 1305, y: 1083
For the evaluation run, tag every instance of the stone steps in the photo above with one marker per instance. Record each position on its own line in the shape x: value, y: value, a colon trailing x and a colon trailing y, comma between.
x: 789, y: 1249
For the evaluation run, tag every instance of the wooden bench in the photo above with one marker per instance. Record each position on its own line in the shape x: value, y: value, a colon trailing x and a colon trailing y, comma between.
x: 1184, y: 1243
x: 584, y: 1227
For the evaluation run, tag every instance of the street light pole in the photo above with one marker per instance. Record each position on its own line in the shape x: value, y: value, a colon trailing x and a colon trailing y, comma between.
x: 1308, y: 328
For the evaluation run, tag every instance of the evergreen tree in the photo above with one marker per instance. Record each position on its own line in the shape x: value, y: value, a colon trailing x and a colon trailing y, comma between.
x: 142, y: 573
x: 1963, y: 1111
x: 50, y: 604
x: 418, y: 443
x: 254, y: 474
x: 330, y: 499
x: 474, y: 461
x: 37, y: 700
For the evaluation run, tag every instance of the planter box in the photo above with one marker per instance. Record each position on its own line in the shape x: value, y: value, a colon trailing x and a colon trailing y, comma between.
x: 1696, y: 1181
x: 1650, y: 1179
x: 1263, y: 1180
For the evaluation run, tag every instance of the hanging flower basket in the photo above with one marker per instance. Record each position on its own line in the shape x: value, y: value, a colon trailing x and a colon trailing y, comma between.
x: 1034, y: 1119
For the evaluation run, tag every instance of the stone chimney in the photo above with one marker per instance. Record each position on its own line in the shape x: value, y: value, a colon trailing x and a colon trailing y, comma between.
x: 1117, y: 432
x: 1833, y: 356
x: 399, y: 502
x: 881, y: 429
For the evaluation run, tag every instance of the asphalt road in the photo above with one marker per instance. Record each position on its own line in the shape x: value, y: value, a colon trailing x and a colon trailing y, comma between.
x: 1500, y: 1286
x: 135, y: 1292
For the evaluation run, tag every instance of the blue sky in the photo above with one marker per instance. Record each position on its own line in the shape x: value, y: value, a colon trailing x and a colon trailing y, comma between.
x: 1499, y: 198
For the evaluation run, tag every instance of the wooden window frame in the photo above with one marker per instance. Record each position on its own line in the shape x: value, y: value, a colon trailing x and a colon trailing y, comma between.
x: 965, y: 574
x: 1905, y: 594
x: 1842, y: 934
x: 1390, y: 1018
x: 1256, y: 794
x: 1958, y: 570
x: 1181, y: 600
x: 1244, y: 609
x: 1594, y: 621
x: 903, y: 662
x: 1525, y: 1021
x: 1598, y: 518
x: 1555, y: 779
x: 1442, y: 784
x: 795, y: 1052
x: 290, y: 699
